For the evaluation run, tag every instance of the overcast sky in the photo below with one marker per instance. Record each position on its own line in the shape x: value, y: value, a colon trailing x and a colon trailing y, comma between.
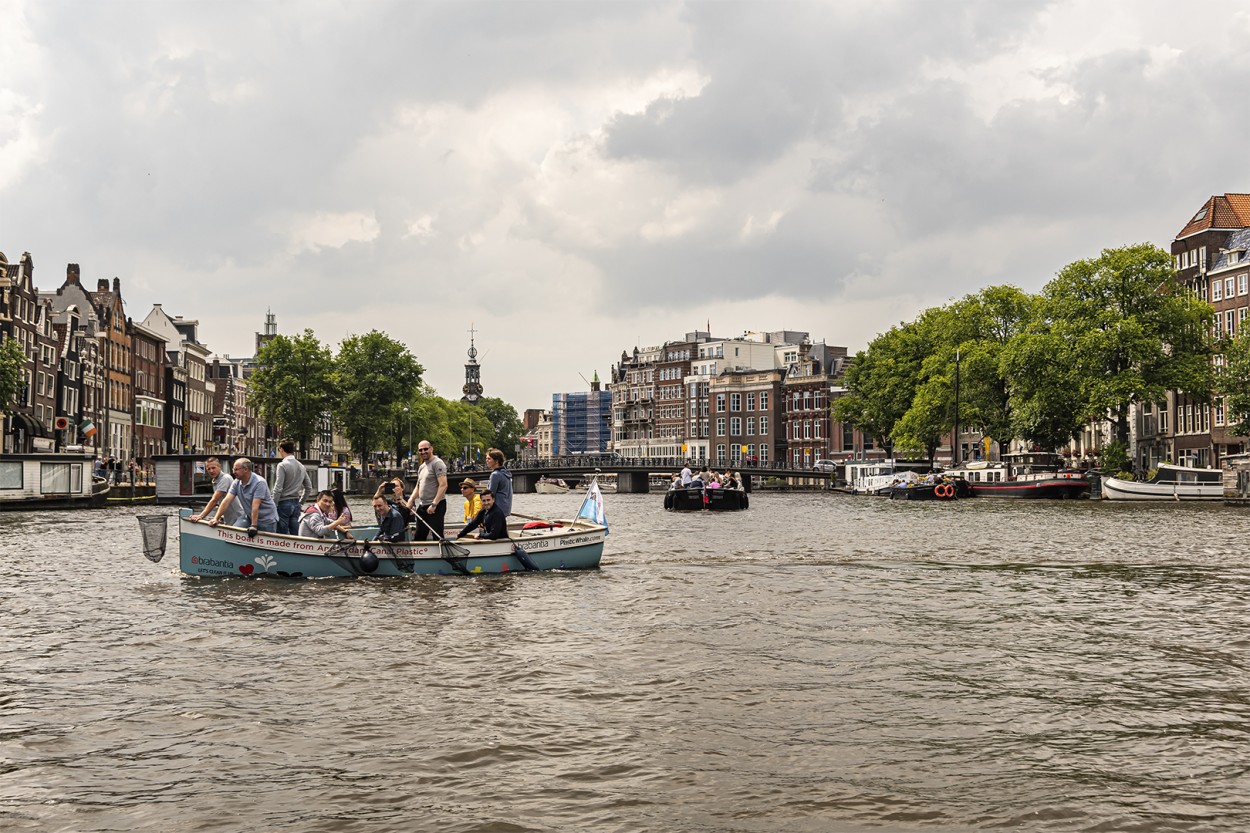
x: 572, y: 179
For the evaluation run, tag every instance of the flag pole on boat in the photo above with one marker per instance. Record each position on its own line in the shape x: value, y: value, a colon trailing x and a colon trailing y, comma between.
x: 592, y: 505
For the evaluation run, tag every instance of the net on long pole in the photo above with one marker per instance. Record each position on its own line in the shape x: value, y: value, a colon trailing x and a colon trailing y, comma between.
x: 153, y: 528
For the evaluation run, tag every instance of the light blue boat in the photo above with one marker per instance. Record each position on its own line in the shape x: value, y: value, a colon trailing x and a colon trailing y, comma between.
x: 205, y: 550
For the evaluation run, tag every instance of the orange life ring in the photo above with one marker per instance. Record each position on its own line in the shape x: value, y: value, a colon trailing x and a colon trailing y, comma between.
x: 944, y: 490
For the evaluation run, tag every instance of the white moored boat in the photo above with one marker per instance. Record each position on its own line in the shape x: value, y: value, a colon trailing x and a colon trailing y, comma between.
x: 550, y: 486
x: 1169, y: 482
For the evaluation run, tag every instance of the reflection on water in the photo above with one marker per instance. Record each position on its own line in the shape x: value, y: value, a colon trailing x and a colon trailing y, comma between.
x: 816, y: 663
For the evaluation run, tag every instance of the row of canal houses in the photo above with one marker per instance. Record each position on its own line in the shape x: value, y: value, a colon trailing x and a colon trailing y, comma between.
x: 764, y: 396
x: 101, y: 382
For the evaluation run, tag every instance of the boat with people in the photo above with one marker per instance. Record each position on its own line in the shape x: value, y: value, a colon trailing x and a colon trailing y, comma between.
x: 1030, y: 474
x: 1168, y: 482
x: 52, y: 480
x: 700, y: 498
x: 551, y: 486
x: 205, y: 550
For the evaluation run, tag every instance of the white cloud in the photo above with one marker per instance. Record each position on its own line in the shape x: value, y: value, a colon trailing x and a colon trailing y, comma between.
x: 331, y: 231
x: 636, y: 168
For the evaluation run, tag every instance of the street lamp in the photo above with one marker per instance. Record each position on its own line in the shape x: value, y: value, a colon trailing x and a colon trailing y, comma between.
x: 408, y: 414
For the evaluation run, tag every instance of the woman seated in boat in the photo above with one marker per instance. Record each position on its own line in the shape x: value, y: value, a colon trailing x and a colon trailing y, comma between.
x: 318, y: 523
x: 493, y: 522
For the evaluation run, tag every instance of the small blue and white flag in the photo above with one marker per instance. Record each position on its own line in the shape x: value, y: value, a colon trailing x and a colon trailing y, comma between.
x: 592, y: 507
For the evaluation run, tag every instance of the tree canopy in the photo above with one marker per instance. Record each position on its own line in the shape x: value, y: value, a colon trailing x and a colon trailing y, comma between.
x: 374, y: 376
x: 293, y: 385
x: 1105, y: 334
x: 1128, y: 330
x: 12, y: 362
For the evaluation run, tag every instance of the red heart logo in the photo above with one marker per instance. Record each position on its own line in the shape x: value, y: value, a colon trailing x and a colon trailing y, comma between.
x: 246, y: 569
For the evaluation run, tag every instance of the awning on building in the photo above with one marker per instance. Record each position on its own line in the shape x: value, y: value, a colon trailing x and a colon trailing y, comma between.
x: 27, y: 423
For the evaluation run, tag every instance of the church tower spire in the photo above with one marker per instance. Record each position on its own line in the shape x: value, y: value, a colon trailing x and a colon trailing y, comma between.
x: 472, y: 374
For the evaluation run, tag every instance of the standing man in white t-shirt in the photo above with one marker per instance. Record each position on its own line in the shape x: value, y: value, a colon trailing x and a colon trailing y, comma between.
x: 428, y: 499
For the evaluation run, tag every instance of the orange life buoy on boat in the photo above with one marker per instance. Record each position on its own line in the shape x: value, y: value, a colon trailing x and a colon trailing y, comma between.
x: 944, y: 490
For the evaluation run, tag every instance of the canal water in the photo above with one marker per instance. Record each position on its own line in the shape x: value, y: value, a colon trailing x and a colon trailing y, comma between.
x: 817, y: 663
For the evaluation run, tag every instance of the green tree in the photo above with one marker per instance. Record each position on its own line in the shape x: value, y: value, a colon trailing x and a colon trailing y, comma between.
x: 374, y: 376
x: 1130, y: 332
x: 1234, y: 382
x: 503, y: 421
x: 881, y: 383
x: 12, y: 362
x: 292, y: 386
x: 981, y: 329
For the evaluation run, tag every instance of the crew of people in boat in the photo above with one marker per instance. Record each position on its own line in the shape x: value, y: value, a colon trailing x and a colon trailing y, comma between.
x: 246, y: 500
x: 705, y: 478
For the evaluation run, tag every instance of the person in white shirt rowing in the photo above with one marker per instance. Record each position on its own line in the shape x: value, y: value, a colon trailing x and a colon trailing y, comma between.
x: 316, y: 523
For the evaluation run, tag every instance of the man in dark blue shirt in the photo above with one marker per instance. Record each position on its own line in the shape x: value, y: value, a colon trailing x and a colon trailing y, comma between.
x: 493, y: 522
x: 391, y: 526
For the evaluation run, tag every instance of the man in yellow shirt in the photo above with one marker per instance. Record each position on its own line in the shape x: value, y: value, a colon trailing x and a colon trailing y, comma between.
x: 472, y: 501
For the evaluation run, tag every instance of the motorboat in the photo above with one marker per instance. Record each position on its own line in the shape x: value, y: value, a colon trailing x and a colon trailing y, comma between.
x: 551, y: 486
x: 1168, y: 482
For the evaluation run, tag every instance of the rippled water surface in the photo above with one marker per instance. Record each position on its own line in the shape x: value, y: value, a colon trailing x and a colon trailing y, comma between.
x: 817, y: 663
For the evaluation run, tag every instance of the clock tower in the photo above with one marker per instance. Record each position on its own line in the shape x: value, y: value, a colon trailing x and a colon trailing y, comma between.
x: 472, y: 374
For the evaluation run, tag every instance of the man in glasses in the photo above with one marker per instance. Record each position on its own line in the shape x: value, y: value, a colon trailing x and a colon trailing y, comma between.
x: 472, y: 501
x: 221, y: 486
x: 428, y: 499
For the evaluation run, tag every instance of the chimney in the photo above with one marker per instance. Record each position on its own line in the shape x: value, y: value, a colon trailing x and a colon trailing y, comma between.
x: 72, y: 274
x: 117, y: 286
x: 102, y: 285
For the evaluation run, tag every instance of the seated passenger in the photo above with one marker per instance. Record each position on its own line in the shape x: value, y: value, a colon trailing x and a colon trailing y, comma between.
x: 391, y: 526
x: 318, y: 523
x: 341, y: 509
x: 494, y: 523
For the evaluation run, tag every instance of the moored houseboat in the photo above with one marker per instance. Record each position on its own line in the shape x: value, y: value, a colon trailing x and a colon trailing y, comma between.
x: 49, y: 481
x: 1030, y: 474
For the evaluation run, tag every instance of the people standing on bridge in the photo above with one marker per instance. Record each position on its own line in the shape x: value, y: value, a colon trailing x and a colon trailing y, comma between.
x: 500, y: 485
x: 429, y: 497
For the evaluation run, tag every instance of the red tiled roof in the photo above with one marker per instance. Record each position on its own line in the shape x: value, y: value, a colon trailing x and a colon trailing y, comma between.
x: 1228, y: 211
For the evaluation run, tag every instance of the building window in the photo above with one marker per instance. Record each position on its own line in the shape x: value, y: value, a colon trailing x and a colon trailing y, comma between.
x: 1217, y: 290
x: 735, y: 402
x: 763, y: 426
x: 1228, y: 323
x: 1219, y: 411
x: 763, y: 400
x: 763, y: 453
x: 1228, y: 287
x: 735, y: 426
x: 720, y: 454
x: 720, y: 426
x: 750, y: 426
x: 720, y: 403
x: 750, y: 402
x: 1242, y: 289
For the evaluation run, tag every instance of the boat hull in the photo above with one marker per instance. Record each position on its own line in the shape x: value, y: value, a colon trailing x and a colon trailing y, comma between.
x: 1052, y: 489
x: 1113, y: 488
x: 928, y: 491
x: 543, y: 487
x: 228, y: 551
x: 712, y: 500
